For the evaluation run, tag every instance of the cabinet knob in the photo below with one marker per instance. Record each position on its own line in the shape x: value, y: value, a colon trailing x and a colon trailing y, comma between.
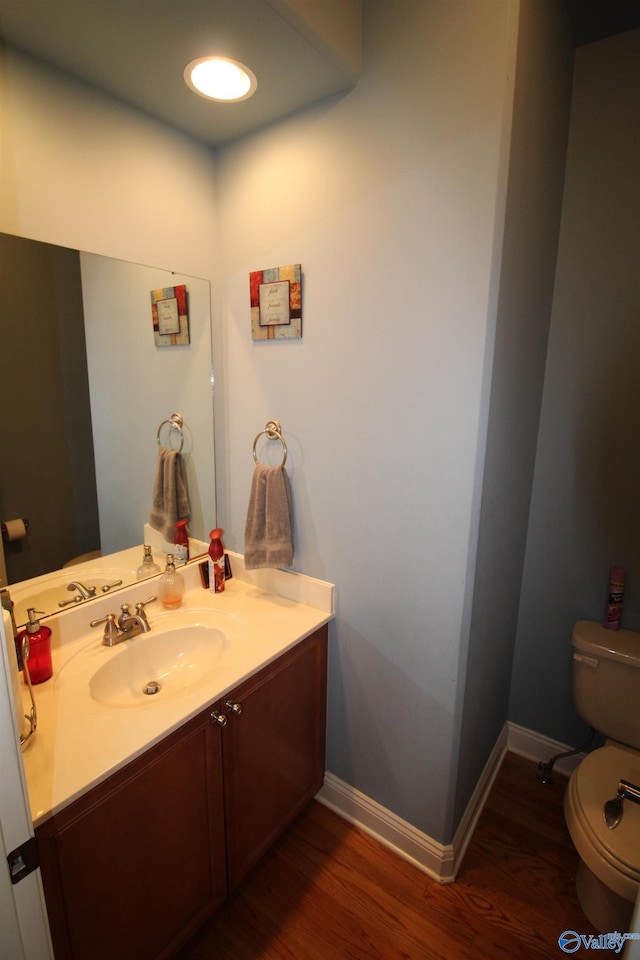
x: 219, y: 718
x: 234, y: 707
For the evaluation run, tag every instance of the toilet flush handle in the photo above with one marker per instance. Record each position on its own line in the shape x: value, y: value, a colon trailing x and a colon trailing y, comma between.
x: 613, y: 808
x: 588, y: 661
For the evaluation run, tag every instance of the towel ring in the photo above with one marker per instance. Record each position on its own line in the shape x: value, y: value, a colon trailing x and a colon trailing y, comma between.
x: 175, y: 422
x: 273, y: 431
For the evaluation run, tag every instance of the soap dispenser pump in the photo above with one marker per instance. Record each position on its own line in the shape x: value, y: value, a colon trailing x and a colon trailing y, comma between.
x: 37, y: 650
x: 148, y: 567
x: 171, y: 585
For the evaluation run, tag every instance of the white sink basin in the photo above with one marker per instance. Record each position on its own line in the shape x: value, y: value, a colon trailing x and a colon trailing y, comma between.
x: 163, y: 663
x: 184, y: 649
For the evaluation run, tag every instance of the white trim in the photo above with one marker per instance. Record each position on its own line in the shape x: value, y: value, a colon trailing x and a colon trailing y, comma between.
x: 535, y: 746
x: 440, y: 861
x: 391, y: 831
x: 478, y: 798
x: 437, y: 860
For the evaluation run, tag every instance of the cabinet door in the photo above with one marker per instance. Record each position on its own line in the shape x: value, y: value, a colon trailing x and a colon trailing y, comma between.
x: 273, y: 750
x: 134, y: 866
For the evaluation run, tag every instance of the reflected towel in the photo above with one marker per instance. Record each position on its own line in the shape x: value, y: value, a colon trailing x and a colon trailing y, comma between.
x: 170, y: 501
x: 268, y: 532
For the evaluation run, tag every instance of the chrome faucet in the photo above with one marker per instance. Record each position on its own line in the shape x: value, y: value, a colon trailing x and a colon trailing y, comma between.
x: 134, y: 621
x: 127, y: 626
x: 85, y: 592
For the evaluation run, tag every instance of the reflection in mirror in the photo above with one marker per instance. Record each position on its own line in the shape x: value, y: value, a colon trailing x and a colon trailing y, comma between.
x: 84, y: 394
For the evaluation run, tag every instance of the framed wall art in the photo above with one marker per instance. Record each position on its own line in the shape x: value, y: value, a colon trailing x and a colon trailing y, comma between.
x: 170, y: 315
x: 276, y: 303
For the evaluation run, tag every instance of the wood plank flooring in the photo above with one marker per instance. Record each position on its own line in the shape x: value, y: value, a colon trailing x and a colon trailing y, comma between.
x: 327, y: 891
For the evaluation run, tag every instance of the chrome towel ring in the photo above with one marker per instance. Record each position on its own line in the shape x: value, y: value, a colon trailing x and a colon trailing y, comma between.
x: 273, y: 431
x: 175, y: 422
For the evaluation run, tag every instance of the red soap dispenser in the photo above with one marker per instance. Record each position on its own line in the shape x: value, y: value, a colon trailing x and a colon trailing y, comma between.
x: 216, y: 561
x: 38, y: 638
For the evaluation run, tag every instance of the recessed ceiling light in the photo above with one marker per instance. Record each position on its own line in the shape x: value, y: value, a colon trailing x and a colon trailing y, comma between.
x: 219, y: 78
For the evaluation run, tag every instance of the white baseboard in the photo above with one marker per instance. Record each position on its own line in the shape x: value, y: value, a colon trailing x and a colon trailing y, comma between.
x: 478, y: 798
x: 535, y: 746
x: 429, y: 856
x: 439, y: 861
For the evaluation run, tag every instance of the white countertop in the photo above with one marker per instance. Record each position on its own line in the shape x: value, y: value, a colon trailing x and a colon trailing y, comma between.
x: 80, y: 741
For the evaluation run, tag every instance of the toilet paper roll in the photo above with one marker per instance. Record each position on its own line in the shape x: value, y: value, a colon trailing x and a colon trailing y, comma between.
x: 14, y: 530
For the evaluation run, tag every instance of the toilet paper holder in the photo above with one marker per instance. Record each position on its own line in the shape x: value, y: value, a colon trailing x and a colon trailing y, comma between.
x: 14, y: 529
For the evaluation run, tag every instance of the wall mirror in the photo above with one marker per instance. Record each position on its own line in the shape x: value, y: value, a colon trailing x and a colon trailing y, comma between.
x: 84, y: 393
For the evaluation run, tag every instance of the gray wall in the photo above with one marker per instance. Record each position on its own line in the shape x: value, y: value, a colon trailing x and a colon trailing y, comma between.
x: 585, y: 509
x: 392, y: 197
x: 536, y: 171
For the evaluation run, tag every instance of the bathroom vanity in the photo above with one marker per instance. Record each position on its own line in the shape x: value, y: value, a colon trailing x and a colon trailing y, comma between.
x: 149, y: 812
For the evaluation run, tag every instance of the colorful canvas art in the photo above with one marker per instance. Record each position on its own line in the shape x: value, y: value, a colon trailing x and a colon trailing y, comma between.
x: 276, y: 303
x: 170, y: 315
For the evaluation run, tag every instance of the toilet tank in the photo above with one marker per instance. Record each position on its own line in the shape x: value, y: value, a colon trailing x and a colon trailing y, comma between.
x: 606, y: 680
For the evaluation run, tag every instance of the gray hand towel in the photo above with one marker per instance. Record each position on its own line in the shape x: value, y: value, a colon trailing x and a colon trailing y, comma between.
x: 170, y: 501
x: 268, y: 533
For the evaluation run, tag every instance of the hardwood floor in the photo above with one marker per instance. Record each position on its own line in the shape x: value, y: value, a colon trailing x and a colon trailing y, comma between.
x: 327, y: 891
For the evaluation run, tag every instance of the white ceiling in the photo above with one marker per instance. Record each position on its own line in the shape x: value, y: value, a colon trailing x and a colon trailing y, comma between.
x: 137, y: 50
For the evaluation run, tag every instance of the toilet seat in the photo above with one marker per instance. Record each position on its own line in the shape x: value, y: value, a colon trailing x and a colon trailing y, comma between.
x: 612, y: 855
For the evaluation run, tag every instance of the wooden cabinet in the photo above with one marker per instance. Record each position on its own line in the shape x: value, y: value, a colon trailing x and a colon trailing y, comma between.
x: 140, y: 858
x: 133, y: 867
x: 273, y: 750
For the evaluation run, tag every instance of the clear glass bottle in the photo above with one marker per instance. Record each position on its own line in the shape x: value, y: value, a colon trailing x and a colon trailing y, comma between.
x: 148, y: 567
x: 171, y: 585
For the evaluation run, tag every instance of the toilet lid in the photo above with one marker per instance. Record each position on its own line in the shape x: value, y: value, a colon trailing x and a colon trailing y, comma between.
x: 596, y: 781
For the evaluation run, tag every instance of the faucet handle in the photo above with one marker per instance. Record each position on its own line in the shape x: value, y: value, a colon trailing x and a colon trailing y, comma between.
x: 110, y: 618
x: 109, y: 586
x: 110, y: 629
x: 67, y: 603
x: 141, y: 605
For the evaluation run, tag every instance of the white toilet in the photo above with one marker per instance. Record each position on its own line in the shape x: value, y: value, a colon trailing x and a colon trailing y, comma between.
x: 606, y: 692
